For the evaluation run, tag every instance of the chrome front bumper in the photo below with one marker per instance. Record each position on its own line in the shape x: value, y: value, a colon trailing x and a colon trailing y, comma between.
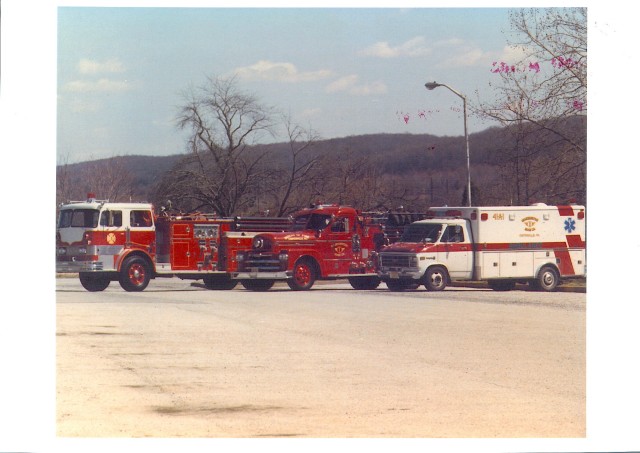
x: 78, y: 266
x: 401, y: 274
x: 248, y: 275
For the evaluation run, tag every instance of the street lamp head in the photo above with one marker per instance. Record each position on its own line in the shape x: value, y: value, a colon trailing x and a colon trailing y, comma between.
x: 432, y: 85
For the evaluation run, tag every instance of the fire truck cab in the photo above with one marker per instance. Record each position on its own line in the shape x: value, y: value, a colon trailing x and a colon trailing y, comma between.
x: 99, y: 240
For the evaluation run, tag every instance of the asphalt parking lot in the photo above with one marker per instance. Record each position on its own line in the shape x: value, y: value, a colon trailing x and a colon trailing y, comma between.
x: 178, y: 360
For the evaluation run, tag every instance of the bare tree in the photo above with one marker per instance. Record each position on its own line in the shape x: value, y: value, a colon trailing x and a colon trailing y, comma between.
x: 292, y: 181
x: 108, y: 179
x: 359, y: 181
x: 542, y: 100
x: 64, y: 184
x: 221, y: 171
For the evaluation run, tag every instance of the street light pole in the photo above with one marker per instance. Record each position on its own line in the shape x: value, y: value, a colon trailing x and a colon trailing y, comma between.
x: 431, y: 86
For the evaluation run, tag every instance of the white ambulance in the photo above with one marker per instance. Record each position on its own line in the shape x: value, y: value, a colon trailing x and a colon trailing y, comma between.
x: 502, y: 245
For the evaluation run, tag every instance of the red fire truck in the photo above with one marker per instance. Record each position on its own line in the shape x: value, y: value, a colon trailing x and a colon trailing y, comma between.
x: 129, y: 243
x: 324, y: 242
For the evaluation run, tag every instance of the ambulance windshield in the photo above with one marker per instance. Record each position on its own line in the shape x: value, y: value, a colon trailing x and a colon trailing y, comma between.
x: 422, y: 232
x: 78, y: 218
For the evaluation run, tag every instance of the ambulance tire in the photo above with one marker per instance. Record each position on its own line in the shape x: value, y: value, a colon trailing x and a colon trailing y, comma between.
x: 258, y: 285
x: 435, y: 279
x: 304, y: 275
x: 94, y: 282
x: 222, y: 282
x: 548, y: 279
x: 364, y: 283
x: 135, y: 274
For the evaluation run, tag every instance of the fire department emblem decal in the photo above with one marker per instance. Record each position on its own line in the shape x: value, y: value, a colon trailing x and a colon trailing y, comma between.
x: 111, y: 238
x: 530, y: 223
x: 340, y: 249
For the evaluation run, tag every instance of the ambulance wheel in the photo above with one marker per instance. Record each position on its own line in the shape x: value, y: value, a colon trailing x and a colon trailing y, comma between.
x: 548, y: 279
x: 435, y: 279
x: 364, y: 283
x: 135, y: 274
x: 257, y: 285
x: 94, y: 282
x: 304, y: 275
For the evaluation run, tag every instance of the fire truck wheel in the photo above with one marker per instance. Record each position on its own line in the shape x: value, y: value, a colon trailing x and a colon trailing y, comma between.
x: 364, y: 283
x: 135, y: 274
x: 94, y: 282
x: 435, y: 279
x: 547, y: 280
x: 222, y: 282
x: 304, y: 275
x: 258, y: 285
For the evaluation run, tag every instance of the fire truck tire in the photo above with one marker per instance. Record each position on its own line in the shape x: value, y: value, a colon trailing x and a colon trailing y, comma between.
x: 502, y: 285
x: 258, y: 285
x: 548, y: 279
x: 364, y: 283
x: 435, y: 279
x: 94, y: 282
x: 304, y: 275
x: 135, y: 274
x: 222, y: 282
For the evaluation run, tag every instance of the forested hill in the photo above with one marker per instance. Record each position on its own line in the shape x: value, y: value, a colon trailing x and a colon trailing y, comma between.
x: 398, y: 156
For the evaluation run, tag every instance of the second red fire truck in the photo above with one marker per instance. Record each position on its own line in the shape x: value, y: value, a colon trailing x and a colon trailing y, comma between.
x: 326, y: 242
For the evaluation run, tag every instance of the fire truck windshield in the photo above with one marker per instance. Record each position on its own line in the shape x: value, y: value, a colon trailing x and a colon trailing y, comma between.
x: 78, y: 218
x: 311, y: 222
x: 422, y: 232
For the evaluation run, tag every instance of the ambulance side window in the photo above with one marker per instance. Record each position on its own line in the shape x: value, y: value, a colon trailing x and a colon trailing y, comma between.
x: 140, y: 219
x: 111, y: 219
x: 453, y: 233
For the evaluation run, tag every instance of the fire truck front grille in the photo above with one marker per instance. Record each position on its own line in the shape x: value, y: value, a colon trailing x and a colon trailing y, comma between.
x: 397, y: 260
x: 262, y: 263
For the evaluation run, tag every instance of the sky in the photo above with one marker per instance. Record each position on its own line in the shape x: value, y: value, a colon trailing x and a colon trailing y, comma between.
x: 122, y: 72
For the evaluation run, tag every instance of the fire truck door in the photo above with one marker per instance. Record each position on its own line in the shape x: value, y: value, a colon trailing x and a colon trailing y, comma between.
x: 141, y: 229
x: 339, y: 250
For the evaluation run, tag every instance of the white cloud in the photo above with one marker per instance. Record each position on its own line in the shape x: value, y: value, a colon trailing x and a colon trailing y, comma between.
x: 86, y: 66
x: 415, y: 47
x: 79, y: 106
x: 369, y: 88
x: 511, y: 55
x: 101, y: 85
x: 311, y: 113
x: 467, y: 58
x: 342, y: 84
x: 282, y: 72
x: 350, y: 85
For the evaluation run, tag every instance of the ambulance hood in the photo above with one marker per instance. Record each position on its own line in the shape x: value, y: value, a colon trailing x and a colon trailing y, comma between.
x: 408, y: 247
